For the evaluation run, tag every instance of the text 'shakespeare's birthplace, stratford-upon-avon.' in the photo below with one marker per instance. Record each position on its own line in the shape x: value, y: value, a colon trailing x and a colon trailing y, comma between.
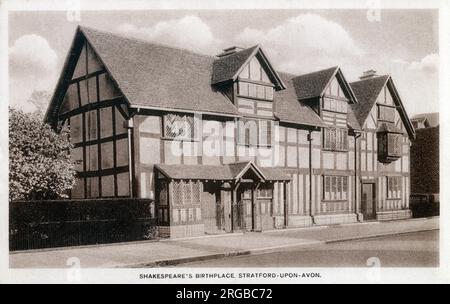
x: 227, y: 143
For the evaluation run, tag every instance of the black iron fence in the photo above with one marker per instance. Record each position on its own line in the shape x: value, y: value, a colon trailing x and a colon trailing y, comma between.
x: 59, y: 223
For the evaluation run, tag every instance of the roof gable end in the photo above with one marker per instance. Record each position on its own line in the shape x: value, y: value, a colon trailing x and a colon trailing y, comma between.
x: 229, y: 67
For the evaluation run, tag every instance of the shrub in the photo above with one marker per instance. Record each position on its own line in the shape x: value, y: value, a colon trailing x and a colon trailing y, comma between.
x: 39, y: 158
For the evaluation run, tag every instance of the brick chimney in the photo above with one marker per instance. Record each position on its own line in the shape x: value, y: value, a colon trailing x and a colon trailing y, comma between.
x: 229, y: 51
x: 368, y: 74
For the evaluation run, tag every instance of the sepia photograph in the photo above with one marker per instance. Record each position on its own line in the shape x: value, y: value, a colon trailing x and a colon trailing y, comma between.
x: 168, y: 138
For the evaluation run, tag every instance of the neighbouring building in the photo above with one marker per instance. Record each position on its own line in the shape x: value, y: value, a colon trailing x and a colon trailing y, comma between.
x: 227, y: 143
x: 425, y: 156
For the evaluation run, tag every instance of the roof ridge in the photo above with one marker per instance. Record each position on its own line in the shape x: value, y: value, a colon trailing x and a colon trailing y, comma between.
x: 319, y: 71
x: 141, y: 40
x: 371, y: 78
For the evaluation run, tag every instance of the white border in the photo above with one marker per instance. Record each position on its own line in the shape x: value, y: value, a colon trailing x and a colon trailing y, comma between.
x: 328, y: 275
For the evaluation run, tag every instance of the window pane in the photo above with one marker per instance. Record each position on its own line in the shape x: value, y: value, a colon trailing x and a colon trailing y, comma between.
x: 179, y: 126
x: 345, y: 187
x: 333, y: 187
x: 339, y: 188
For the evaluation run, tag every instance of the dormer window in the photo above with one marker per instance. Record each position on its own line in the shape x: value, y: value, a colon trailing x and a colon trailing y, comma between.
x: 252, y: 90
x: 335, y: 105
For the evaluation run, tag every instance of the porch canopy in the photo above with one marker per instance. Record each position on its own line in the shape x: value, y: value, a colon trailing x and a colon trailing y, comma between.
x: 229, y: 172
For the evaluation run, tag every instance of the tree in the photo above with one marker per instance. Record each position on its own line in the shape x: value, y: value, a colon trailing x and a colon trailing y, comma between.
x: 39, y: 158
x: 40, y: 99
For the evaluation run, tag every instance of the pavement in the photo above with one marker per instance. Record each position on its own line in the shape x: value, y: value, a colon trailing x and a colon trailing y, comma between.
x: 178, y: 251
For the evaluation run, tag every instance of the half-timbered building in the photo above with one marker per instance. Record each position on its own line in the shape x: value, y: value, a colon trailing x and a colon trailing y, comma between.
x: 227, y: 143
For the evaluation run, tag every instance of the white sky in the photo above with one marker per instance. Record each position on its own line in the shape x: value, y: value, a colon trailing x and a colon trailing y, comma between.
x: 403, y: 43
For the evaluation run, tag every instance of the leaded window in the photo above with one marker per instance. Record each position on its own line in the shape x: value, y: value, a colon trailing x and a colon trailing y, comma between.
x: 178, y: 126
x: 335, y: 188
x: 335, y: 139
x: 394, y: 189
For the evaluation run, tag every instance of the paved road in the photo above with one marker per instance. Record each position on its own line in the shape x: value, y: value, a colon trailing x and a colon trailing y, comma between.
x: 420, y: 249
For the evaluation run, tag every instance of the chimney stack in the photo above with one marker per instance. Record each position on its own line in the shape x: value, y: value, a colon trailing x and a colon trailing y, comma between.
x: 368, y: 74
x: 230, y: 51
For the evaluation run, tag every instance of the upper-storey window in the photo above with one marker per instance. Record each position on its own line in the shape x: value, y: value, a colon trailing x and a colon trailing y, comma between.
x: 389, y: 146
x: 335, y: 139
x: 386, y: 113
x: 179, y: 126
x: 246, y: 89
x: 335, y: 105
x: 252, y: 132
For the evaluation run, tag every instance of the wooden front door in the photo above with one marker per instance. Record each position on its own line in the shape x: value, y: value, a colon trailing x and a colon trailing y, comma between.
x: 242, y: 214
x: 213, y: 211
x: 368, y: 201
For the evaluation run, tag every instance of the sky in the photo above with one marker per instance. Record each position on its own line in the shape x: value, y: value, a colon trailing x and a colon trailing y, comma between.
x: 402, y: 43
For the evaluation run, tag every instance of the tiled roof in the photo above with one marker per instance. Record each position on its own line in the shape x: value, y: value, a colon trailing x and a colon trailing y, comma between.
x: 154, y: 75
x: 162, y: 77
x: 366, y: 91
x: 224, y: 172
x: 312, y: 84
x: 225, y: 68
x: 289, y: 109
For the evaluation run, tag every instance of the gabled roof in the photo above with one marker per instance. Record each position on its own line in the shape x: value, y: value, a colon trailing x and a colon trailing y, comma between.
x: 313, y: 84
x: 367, y: 91
x: 432, y: 118
x: 229, y: 67
x: 226, y: 172
x: 154, y: 76
x: 290, y: 110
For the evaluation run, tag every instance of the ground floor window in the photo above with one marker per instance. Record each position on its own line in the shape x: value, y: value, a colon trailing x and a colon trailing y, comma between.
x: 265, y: 191
x: 186, y: 192
x: 335, y: 188
x: 394, y: 187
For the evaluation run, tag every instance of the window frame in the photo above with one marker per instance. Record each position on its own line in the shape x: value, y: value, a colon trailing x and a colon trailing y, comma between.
x: 337, y: 136
x: 393, y: 187
x: 335, y: 188
x: 187, y: 137
x: 257, y: 139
